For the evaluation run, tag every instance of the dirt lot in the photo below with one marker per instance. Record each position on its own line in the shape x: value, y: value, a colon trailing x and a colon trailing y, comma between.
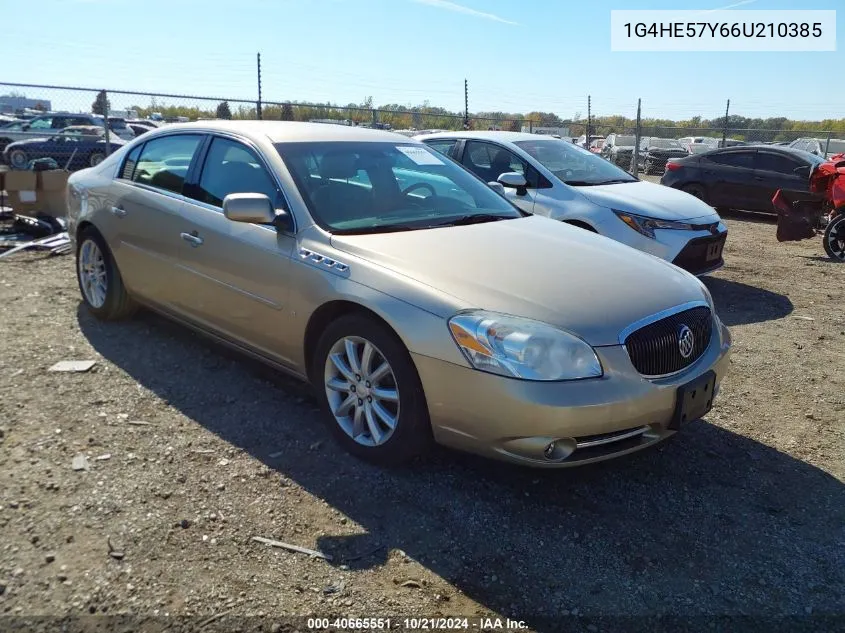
x: 193, y: 451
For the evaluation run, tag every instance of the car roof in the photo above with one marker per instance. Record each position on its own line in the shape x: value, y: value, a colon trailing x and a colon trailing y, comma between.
x: 776, y: 149
x: 490, y: 135
x: 290, y: 131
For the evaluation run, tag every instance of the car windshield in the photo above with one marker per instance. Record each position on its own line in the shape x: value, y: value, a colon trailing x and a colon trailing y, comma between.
x: 625, y: 141
x: 370, y: 187
x: 572, y: 164
x: 664, y: 143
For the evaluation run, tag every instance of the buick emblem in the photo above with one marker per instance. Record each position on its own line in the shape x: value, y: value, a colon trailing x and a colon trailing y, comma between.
x: 686, y: 341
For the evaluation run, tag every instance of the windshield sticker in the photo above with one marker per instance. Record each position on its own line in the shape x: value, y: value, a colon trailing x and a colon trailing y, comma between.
x: 420, y: 155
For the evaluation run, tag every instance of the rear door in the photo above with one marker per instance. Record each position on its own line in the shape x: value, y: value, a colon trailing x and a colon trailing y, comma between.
x: 238, y: 272
x: 144, y: 225
x: 775, y: 171
x: 729, y: 176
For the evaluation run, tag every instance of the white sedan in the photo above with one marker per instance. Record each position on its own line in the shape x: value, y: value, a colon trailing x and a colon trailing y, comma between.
x: 550, y: 177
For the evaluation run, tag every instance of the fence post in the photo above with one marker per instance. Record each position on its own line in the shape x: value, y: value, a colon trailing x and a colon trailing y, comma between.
x: 106, y: 121
x: 587, y: 133
x: 827, y: 145
x: 725, y: 128
x: 531, y: 126
x: 635, y: 157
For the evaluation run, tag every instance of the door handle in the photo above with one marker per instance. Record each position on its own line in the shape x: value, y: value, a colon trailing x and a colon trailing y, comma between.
x: 118, y: 211
x: 192, y: 238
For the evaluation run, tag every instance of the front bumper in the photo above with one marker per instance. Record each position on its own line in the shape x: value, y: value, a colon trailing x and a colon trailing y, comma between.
x: 589, y: 420
x: 668, y: 244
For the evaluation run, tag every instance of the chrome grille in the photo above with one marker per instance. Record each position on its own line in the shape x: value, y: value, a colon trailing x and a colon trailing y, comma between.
x: 654, y: 349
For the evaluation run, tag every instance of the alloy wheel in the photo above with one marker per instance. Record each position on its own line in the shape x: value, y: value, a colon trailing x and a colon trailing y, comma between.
x: 362, y: 391
x: 18, y: 159
x: 91, y: 267
x: 835, y: 238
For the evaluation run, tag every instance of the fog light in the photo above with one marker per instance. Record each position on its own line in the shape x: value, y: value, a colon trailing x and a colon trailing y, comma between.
x: 549, y: 451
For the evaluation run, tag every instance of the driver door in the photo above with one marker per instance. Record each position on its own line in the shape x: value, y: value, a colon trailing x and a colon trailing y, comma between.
x: 488, y: 161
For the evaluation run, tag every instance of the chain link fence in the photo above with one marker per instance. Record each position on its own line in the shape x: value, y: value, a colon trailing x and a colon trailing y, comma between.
x: 73, y: 128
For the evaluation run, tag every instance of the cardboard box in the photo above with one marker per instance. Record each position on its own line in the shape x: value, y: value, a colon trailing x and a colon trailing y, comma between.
x: 33, y: 192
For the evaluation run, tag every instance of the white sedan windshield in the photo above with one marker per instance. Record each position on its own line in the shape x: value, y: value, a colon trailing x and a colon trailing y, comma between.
x: 574, y: 165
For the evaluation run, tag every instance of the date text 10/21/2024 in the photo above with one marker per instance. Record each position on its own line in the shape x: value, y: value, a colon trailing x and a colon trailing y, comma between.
x: 416, y: 624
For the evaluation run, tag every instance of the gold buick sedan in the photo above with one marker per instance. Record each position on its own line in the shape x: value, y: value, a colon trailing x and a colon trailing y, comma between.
x: 418, y: 301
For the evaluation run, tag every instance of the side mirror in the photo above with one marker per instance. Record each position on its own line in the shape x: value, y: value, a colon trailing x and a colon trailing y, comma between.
x: 512, y: 180
x: 497, y: 187
x: 254, y: 208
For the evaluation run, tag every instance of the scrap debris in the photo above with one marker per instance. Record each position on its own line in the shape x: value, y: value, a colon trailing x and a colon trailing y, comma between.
x: 73, y: 365
x: 40, y: 232
x: 80, y: 462
x: 293, y: 548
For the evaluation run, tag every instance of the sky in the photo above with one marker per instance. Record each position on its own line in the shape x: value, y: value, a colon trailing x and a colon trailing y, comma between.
x: 545, y: 55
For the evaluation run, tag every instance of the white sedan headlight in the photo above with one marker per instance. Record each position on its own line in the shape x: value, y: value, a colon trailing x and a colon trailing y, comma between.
x: 646, y: 226
x: 522, y: 348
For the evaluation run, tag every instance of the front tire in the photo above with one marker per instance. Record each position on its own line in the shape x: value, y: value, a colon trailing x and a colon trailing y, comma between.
x: 96, y: 158
x: 834, y: 238
x: 368, y: 386
x: 99, y: 279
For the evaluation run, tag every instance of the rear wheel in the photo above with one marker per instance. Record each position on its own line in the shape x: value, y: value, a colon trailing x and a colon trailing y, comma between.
x: 18, y: 159
x: 96, y: 158
x: 834, y: 238
x: 695, y: 190
x: 368, y: 385
x: 99, y: 279
x: 649, y: 167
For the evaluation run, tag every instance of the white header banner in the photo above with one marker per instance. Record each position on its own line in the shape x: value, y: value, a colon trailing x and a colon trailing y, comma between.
x: 723, y: 30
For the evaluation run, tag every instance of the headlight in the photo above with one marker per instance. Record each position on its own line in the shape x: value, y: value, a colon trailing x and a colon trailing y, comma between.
x: 522, y: 348
x: 646, y: 226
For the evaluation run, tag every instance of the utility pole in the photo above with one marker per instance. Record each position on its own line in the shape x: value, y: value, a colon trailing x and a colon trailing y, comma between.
x: 587, y: 133
x: 725, y: 129
x: 258, y: 105
x: 635, y: 158
x: 466, y: 105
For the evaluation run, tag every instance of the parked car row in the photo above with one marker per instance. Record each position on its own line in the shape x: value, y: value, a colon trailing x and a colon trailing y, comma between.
x: 427, y: 290
x: 72, y: 140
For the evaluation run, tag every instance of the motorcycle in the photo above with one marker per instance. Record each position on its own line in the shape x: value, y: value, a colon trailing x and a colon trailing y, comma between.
x: 802, y: 218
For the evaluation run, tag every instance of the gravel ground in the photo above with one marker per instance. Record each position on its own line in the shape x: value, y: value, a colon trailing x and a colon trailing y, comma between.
x: 192, y: 451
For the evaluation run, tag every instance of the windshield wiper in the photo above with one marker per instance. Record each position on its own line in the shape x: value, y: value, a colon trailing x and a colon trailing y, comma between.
x: 616, y: 181
x: 580, y: 183
x: 475, y: 218
x: 381, y: 228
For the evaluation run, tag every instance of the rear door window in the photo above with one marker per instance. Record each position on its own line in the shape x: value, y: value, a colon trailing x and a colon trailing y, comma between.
x: 733, y: 159
x: 164, y: 162
x: 444, y: 146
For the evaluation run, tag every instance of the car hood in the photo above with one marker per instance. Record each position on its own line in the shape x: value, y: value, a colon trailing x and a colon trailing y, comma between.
x: 536, y: 268
x: 649, y: 199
